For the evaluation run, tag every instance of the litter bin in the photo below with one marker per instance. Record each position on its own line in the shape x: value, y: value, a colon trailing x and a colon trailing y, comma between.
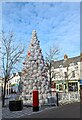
x: 51, y: 101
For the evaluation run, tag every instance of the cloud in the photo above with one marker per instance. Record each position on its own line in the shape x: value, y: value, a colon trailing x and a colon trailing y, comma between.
x: 54, y: 22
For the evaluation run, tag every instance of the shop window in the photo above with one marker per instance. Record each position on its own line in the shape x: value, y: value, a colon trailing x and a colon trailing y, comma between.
x: 72, y: 87
x: 60, y: 87
x: 57, y: 86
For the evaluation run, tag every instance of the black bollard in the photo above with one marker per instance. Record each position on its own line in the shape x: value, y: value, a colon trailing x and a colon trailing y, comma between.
x: 57, y: 99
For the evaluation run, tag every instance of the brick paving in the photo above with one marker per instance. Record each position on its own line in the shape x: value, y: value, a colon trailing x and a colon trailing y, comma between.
x: 28, y: 111
x: 6, y: 113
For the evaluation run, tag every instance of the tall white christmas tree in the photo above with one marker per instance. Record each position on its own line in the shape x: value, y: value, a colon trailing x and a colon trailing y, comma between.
x: 35, y: 72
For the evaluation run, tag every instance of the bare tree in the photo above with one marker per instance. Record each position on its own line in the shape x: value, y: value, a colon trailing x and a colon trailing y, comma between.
x: 51, y: 55
x: 11, y: 54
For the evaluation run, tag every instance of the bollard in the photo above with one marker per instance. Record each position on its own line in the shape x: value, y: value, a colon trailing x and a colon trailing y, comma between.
x: 57, y: 98
x: 35, y: 101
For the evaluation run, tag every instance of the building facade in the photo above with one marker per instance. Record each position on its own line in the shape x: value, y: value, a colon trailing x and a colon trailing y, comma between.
x: 66, y: 74
x: 7, y: 89
x: 11, y: 86
x: 14, y: 82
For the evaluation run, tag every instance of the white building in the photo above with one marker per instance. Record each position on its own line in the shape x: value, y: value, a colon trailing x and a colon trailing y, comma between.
x: 8, y: 90
x: 14, y: 82
x: 11, y: 85
x: 66, y: 74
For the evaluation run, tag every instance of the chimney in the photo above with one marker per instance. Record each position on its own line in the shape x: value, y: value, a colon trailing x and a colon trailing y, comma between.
x: 65, y: 57
x: 80, y: 57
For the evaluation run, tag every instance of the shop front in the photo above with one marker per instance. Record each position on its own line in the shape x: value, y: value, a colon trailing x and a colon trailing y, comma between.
x: 73, y: 86
x: 66, y: 86
x: 60, y: 86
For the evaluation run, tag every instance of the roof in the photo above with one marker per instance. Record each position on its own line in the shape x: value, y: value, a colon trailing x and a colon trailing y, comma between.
x: 62, y: 62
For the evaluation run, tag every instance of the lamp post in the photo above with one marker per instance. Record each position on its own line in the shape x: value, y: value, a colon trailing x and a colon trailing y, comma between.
x: 66, y: 63
x: 49, y: 65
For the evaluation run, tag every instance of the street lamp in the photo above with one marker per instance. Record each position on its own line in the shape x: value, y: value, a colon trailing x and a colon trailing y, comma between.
x: 66, y: 64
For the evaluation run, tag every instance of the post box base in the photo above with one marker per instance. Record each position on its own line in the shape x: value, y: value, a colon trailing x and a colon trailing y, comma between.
x: 35, y: 108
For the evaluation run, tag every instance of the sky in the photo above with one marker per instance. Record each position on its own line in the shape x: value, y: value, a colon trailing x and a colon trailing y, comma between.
x: 81, y: 27
x: 56, y: 23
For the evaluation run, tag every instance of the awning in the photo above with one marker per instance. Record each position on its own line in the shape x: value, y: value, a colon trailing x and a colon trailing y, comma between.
x: 60, y: 81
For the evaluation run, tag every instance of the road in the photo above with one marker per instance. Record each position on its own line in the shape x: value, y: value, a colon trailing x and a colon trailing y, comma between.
x: 0, y: 110
x: 66, y: 111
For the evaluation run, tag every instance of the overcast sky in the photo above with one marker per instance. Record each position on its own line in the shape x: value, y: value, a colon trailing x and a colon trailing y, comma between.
x: 55, y: 22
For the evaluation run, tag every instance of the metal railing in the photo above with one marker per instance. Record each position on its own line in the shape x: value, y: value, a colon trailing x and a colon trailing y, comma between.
x: 65, y: 98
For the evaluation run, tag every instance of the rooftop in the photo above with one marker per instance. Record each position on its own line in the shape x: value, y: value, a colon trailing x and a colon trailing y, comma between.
x: 62, y: 62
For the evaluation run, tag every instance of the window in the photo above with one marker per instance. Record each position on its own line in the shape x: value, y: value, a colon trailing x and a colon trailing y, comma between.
x: 65, y: 74
x: 76, y: 68
x: 72, y: 86
x: 60, y: 87
x: 53, y: 75
x: 57, y: 86
x: 65, y: 86
x: 53, y: 85
x: 72, y: 64
x: 73, y: 73
x: 61, y: 66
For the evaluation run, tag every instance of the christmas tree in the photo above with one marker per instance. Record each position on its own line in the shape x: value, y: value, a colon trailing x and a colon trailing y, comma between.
x: 35, y: 72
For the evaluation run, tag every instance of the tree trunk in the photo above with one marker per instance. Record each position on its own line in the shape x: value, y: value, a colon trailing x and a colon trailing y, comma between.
x: 50, y: 75
x: 3, y: 94
x: 50, y: 80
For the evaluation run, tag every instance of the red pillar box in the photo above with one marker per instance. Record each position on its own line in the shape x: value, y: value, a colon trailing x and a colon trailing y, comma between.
x: 35, y: 101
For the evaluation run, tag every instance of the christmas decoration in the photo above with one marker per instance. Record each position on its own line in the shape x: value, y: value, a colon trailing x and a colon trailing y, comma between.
x: 35, y: 77
x: 28, y: 53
